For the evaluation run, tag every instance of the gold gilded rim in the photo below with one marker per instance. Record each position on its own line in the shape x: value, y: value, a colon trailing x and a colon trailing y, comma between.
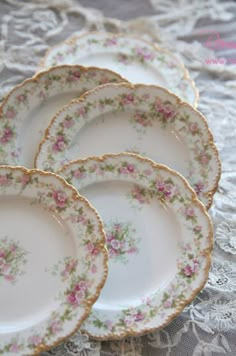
x: 206, y: 252
x: 36, y: 77
x: 208, y: 194
x: 75, y: 38
x: 102, y: 245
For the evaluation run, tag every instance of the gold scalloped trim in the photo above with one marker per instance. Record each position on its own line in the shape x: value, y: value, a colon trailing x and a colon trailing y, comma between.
x: 206, y: 252
x: 75, y: 38
x: 210, y: 193
x: 102, y: 243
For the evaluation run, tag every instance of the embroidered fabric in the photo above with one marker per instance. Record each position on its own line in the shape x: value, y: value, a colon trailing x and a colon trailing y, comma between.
x: 28, y: 28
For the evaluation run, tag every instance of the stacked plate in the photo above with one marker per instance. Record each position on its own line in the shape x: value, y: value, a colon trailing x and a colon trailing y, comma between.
x: 146, y: 161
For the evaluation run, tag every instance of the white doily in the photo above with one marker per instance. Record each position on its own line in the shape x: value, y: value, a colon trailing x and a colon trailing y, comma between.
x: 28, y: 28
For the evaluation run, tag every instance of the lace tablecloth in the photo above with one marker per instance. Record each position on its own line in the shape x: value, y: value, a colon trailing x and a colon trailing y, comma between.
x: 28, y: 28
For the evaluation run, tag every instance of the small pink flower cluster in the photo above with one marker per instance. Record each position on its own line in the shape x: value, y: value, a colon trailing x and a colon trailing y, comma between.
x: 134, y: 317
x: 69, y: 268
x: 118, y: 240
x: 197, y: 228
x: 139, y: 194
x: 59, y: 57
x: 198, y: 187
x: 10, y: 113
x: 70, y: 50
x: 142, y: 119
x: 111, y: 42
x: 92, y: 248
x: 47, y: 82
x: 144, y: 54
x: 96, y: 168
x: 21, y: 98
x: 127, y: 99
x: 92, y: 74
x: 73, y: 76
x: 194, y: 128
x: 11, y: 259
x: 25, y: 180
x: 42, y: 95
x: 166, y: 110
x: 123, y: 58
x: 35, y: 340
x: 7, y: 135
x: 82, y: 219
x: 168, y: 303
x: 60, y: 144
x: 81, y: 111
x: 190, y: 269
x: 189, y: 212
x: 7, y: 256
x: 113, y: 244
x: 127, y: 168
x: 78, y: 173
x: 108, y: 324
x: 68, y: 122
x: 77, y: 294
x: 164, y: 189
x: 204, y: 158
x: 105, y: 79
x: 4, y: 180
x: 55, y: 326
x: 94, y: 268
x: 15, y: 348
x: 60, y: 198
x: 4, y: 268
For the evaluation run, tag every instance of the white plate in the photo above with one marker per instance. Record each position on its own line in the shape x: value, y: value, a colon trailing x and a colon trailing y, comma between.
x: 30, y: 106
x: 159, y: 238
x: 138, y: 118
x: 53, y: 262
x: 135, y: 59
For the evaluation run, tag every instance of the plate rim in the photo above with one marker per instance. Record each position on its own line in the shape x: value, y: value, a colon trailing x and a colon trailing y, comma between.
x: 209, y: 193
x: 74, y: 38
x: 43, y: 73
x: 102, y: 244
x: 207, y: 251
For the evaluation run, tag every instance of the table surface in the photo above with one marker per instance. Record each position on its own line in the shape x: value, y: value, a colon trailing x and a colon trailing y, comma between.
x: 29, y: 28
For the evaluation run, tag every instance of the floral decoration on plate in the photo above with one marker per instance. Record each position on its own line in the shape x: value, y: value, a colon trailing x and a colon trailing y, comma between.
x: 122, y: 240
x: 49, y: 279
x: 29, y: 107
x: 134, y: 58
x: 154, y: 305
x: 12, y: 259
x: 119, y: 116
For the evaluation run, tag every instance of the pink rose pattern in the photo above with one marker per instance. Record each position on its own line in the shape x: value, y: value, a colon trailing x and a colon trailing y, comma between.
x: 15, y: 103
x: 77, y: 292
x: 164, y: 112
x: 77, y: 287
x: 12, y: 259
x: 7, y: 135
x: 140, y: 194
x: 138, y: 54
x: 188, y: 266
x: 164, y: 189
x: 128, y: 318
x: 35, y: 340
x: 121, y: 240
x: 60, y: 198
